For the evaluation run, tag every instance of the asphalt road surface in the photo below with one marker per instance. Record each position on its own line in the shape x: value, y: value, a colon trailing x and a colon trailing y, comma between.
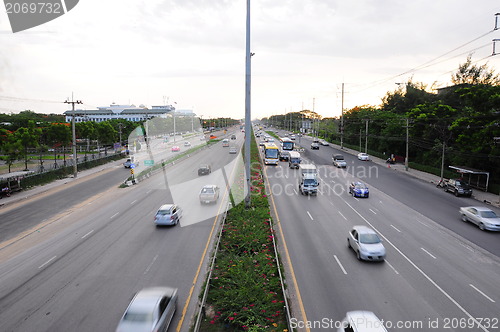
x: 73, y: 259
x: 435, y: 277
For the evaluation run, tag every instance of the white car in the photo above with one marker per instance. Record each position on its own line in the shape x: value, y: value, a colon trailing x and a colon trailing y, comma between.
x: 483, y: 217
x: 324, y: 143
x: 363, y: 156
x: 361, y: 321
x: 366, y: 244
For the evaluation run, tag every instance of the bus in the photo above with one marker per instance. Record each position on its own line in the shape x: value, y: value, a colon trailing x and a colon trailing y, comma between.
x: 271, y: 154
x: 287, y: 145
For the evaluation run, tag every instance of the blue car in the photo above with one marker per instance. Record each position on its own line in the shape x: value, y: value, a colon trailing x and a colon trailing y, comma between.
x: 358, y: 189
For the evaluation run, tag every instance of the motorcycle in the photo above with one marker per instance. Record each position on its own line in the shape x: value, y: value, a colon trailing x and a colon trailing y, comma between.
x: 5, y: 192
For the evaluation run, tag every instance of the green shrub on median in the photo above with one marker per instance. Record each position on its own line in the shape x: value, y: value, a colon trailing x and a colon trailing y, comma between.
x: 245, y: 291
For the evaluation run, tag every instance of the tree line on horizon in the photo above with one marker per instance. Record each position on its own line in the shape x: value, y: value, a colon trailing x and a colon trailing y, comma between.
x: 463, y: 120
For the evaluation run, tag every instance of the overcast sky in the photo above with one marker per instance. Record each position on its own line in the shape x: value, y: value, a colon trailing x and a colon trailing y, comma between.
x: 192, y: 53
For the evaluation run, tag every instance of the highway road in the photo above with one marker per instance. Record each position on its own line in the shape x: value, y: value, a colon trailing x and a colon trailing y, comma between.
x: 76, y: 264
x: 434, y: 278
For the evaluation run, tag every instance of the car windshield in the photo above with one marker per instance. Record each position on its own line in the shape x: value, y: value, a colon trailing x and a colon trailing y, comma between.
x: 207, y: 190
x: 138, y: 317
x: 360, y: 186
x: 488, y: 214
x: 369, y: 238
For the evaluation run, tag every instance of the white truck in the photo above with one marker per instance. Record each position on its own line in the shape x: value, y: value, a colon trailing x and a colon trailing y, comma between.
x: 308, y: 179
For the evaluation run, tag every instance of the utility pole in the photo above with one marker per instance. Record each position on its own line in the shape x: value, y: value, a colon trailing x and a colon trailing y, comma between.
x: 75, y: 159
x: 366, y: 137
x: 442, y: 161
x: 407, y: 140
x: 342, y: 121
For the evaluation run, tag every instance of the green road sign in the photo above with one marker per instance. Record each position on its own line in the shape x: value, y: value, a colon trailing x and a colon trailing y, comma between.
x: 149, y: 162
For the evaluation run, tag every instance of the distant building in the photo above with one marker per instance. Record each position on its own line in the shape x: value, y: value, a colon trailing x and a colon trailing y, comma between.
x: 114, y: 111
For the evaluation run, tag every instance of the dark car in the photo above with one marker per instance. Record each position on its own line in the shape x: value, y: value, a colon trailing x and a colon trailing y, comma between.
x: 204, y: 169
x: 358, y: 189
x: 233, y: 136
x: 458, y: 187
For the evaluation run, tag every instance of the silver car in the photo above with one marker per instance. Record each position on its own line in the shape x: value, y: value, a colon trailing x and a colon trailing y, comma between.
x: 168, y: 215
x: 151, y: 309
x: 483, y: 217
x: 366, y: 244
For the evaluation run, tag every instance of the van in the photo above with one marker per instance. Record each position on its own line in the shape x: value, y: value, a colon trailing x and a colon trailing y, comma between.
x: 294, y: 159
x: 361, y: 321
x: 225, y: 142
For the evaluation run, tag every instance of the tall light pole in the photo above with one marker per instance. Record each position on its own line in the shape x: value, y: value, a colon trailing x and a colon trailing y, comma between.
x: 75, y: 159
x: 248, y: 126
x: 342, y: 121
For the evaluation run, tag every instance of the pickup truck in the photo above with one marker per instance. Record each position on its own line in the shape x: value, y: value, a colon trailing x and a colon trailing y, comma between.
x: 209, y: 194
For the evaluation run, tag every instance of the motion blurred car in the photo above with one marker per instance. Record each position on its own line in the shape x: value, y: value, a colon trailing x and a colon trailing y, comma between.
x: 315, y: 145
x: 363, y: 156
x: 209, y: 194
x: 366, y: 244
x: 187, y: 143
x: 151, y: 309
x: 458, y: 187
x: 324, y: 143
x: 361, y: 321
x: 204, y: 169
x: 225, y: 142
x: 358, y: 189
x: 483, y: 217
x: 233, y: 136
x: 233, y: 150
x: 168, y: 215
x: 128, y: 163
x: 176, y: 148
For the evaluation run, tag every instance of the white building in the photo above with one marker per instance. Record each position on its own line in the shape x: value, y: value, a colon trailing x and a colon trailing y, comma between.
x: 114, y: 111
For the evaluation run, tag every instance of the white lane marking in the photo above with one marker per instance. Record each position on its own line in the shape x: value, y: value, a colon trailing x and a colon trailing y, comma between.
x: 114, y: 215
x: 395, y: 228
x: 47, y: 262
x: 373, y: 211
x: 332, y: 181
x: 381, y: 202
x: 83, y: 237
x: 448, y: 296
x: 338, y: 262
x: 131, y: 203
x: 147, y: 192
x: 320, y: 192
x: 392, y: 267
x: 428, y: 253
x: 342, y: 215
x: 295, y: 191
x: 151, y: 264
x: 422, y: 222
x: 482, y: 293
x: 309, y: 215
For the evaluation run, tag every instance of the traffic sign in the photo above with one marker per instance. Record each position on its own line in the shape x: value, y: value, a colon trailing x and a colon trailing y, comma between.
x: 149, y: 162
